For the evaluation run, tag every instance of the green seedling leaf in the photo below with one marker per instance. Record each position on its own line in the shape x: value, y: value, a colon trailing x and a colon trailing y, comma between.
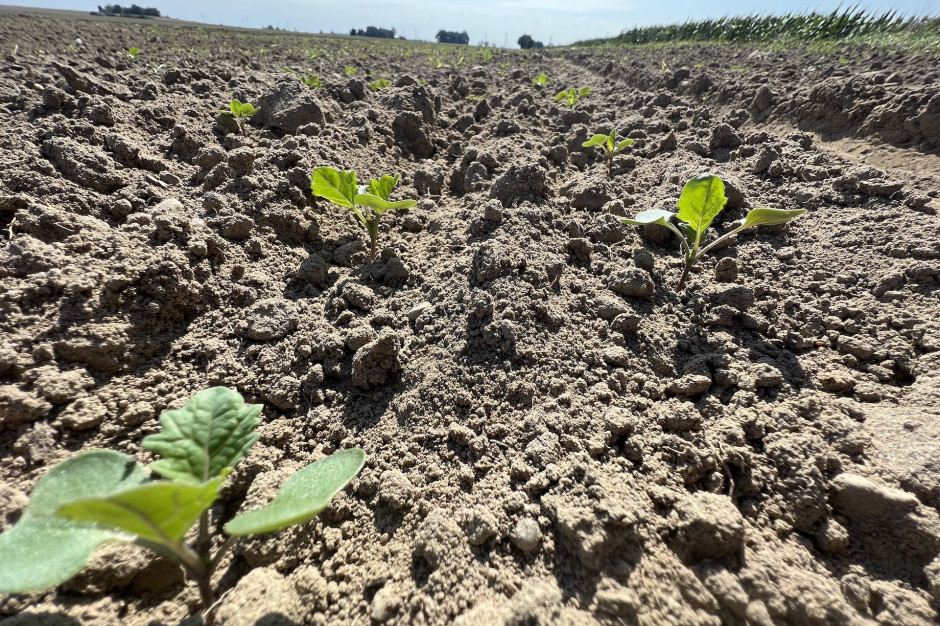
x: 213, y: 432
x: 43, y: 550
x: 381, y: 83
x: 246, y: 109
x: 650, y: 216
x: 703, y: 197
x: 337, y: 186
x: 383, y: 187
x: 158, y: 512
x: 380, y: 206
x: 623, y: 145
x: 596, y: 140
x: 770, y: 217
x: 584, y: 91
x: 303, y: 495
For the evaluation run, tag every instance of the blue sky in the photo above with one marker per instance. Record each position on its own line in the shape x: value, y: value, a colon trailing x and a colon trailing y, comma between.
x: 498, y: 21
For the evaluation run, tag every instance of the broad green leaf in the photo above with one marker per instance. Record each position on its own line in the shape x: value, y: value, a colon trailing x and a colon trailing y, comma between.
x: 380, y: 206
x: 561, y: 95
x: 235, y: 106
x: 302, y: 496
x: 596, y: 140
x: 703, y: 197
x: 650, y: 216
x: 584, y: 91
x: 765, y: 216
x: 247, y: 109
x: 337, y: 186
x: 624, y: 144
x: 160, y: 512
x: 383, y: 187
x: 41, y: 550
x: 214, y: 431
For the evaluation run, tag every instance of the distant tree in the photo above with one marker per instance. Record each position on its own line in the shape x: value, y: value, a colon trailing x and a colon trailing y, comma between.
x: 447, y: 36
x: 117, y: 9
x: 372, y: 31
x: 525, y: 42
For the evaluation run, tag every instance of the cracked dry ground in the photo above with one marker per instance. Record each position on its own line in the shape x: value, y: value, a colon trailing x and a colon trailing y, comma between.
x: 554, y: 435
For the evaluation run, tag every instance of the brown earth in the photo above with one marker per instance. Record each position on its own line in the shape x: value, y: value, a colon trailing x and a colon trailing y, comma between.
x: 554, y: 435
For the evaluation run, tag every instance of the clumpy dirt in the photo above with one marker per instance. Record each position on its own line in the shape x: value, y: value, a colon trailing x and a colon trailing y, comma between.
x: 554, y: 435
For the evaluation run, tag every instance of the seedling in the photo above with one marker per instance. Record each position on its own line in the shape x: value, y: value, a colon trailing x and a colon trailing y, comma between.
x: 102, y: 495
x: 610, y: 145
x: 572, y: 96
x: 540, y: 81
x: 703, y: 198
x: 487, y: 56
x: 381, y: 83
x: 241, y: 111
x: 350, y: 70
x: 130, y: 53
x: 340, y: 188
x: 310, y: 80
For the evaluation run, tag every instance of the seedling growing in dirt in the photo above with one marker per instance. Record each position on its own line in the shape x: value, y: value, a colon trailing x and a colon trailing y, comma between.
x: 610, y: 145
x: 340, y: 188
x: 241, y: 111
x: 102, y: 495
x: 381, y: 83
x: 310, y: 80
x: 540, y: 81
x: 350, y: 70
x: 130, y: 53
x: 571, y: 96
x: 702, y: 199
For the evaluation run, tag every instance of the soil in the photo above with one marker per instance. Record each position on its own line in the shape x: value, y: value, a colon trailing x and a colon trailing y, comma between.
x: 555, y: 436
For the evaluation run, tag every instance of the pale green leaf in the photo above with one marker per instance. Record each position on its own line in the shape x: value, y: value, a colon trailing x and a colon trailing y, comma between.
x: 703, y: 197
x: 247, y: 109
x: 214, y: 431
x: 337, y: 186
x: 41, y: 550
x: 584, y: 91
x: 380, y: 206
x: 383, y: 187
x: 596, y: 140
x: 650, y: 216
x: 623, y: 145
x: 302, y: 496
x: 235, y: 106
x: 765, y: 216
x: 158, y: 512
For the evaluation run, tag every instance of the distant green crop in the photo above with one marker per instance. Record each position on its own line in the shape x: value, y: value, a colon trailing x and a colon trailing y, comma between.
x: 350, y: 70
x: 310, y: 80
x: 540, y: 81
x: 102, y: 495
x: 340, y: 188
x: 572, y: 96
x: 241, y: 111
x: 381, y: 83
x: 702, y: 199
x: 130, y: 53
x: 610, y: 145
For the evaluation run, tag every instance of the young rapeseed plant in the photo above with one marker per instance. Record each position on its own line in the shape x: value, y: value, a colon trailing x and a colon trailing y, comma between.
x: 102, y: 496
x: 340, y: 188
x: 702, y: 199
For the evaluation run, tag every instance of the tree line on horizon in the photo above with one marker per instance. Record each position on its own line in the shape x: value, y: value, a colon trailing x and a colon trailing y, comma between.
x: 134, y: 10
